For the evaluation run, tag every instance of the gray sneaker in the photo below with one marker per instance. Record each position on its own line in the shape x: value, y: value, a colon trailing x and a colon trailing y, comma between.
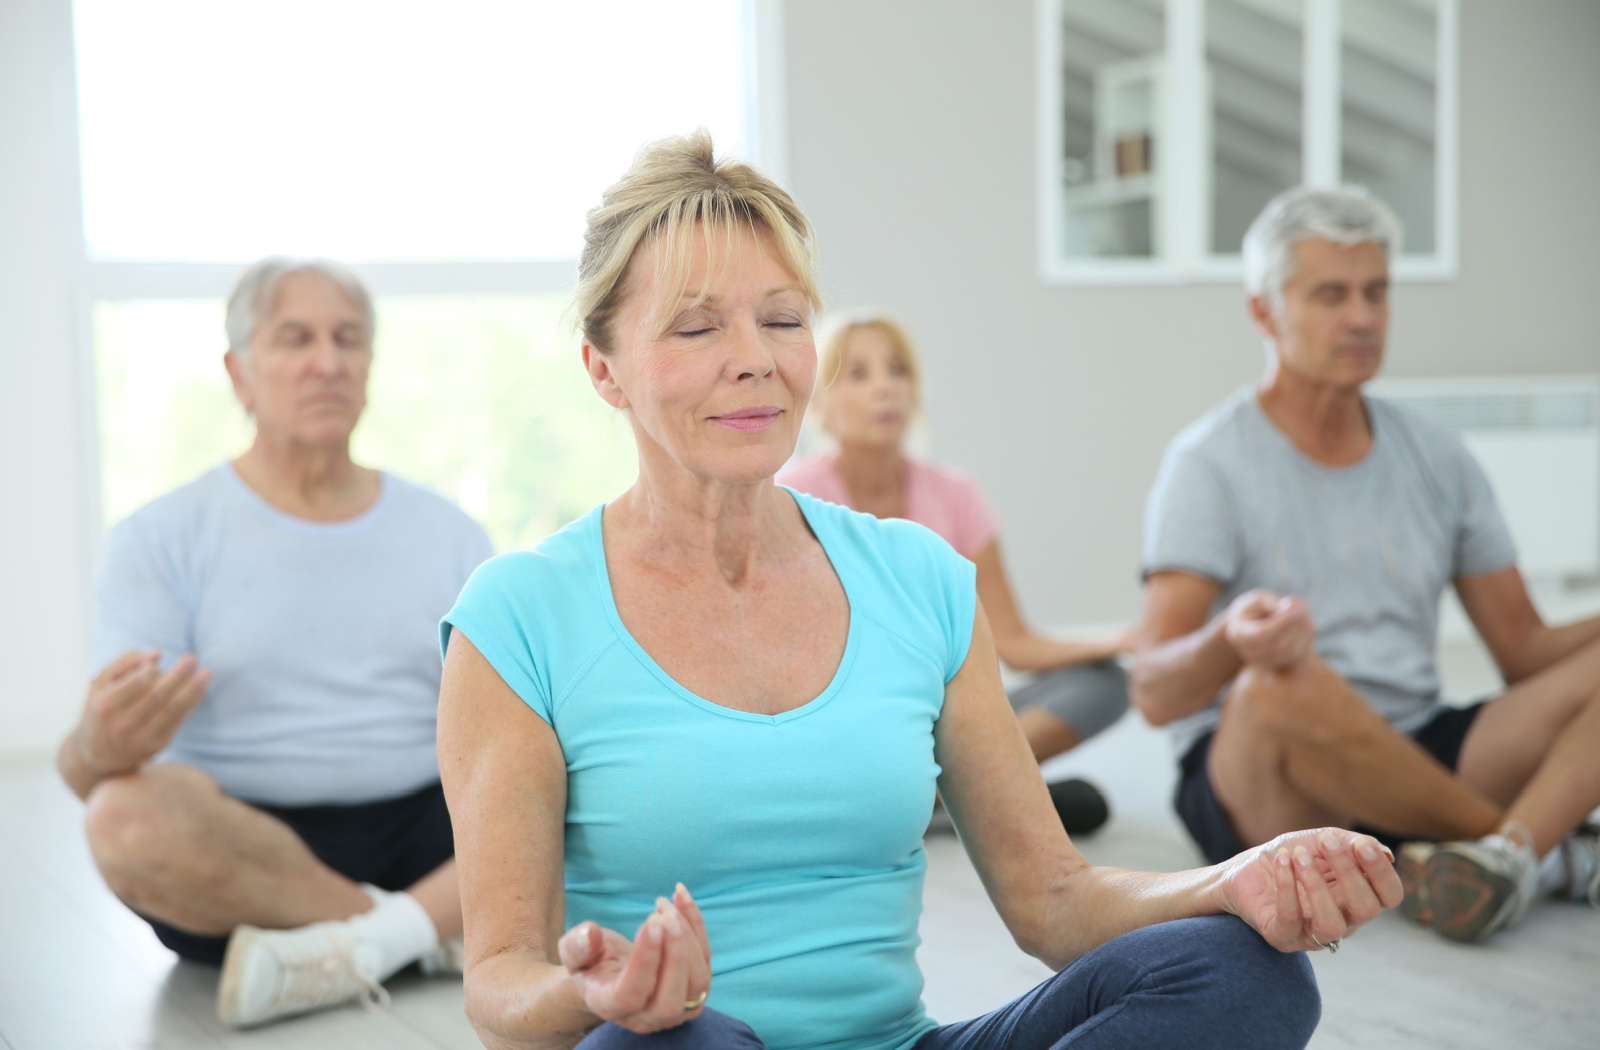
x: 1475, y: 889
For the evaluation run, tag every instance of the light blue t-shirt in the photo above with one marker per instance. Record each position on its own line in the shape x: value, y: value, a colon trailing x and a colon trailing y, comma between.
x: 800, y: 834
x: 321, y: 638
x: 1370, y: 547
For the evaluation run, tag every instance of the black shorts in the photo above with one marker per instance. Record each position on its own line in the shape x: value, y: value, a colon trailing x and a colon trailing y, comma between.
x: 1208, y: 822
x: 392, y: 844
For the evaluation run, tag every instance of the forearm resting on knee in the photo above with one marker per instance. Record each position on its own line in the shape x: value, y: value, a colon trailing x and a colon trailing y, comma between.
x: 518, y: 1000
x: 1178, y: 677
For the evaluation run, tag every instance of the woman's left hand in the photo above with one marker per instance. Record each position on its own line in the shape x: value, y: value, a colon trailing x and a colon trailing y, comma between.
x: 1307, y: 889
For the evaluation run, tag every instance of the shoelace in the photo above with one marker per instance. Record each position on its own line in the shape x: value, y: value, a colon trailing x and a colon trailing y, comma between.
x: 324, y: 978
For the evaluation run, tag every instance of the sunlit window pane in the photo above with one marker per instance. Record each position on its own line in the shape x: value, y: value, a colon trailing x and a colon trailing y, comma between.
x: 1389, y: 81
x: 481, y: 398
x: 167, y: 412
x: 219, y: 130
x: 1254, y: 59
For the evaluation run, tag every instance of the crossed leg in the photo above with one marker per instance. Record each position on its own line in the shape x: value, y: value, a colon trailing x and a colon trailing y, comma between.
x: 173, y: 847
x: 1533, y: 749
x: 1298, y: 747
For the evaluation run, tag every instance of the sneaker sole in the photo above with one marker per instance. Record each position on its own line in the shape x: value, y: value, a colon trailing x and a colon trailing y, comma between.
x: 1468, y: 898
x: 1417, y: 904
x: 228, y: 988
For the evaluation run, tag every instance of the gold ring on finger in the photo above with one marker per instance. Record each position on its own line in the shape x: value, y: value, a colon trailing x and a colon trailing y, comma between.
x: 697, y: 1002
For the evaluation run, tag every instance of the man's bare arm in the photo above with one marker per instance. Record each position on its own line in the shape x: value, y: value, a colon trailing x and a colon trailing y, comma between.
x: 1521, y: 642
x: 1183, y: 656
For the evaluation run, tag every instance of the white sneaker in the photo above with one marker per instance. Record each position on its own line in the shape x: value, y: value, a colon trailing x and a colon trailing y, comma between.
x: 449, y: 959
x: 268, y: 974
x: 1478, y: 888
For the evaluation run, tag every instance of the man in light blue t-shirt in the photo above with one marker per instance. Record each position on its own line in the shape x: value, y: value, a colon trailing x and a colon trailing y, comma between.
x: 258, y: 747
x: 1297, y: 542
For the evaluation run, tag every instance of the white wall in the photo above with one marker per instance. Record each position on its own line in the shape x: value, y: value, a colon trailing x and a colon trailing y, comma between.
x: 46, y: 505
x: 912, y: 148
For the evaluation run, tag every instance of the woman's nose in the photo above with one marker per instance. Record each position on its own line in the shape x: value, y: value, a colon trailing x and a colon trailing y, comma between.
x: 747, y: 354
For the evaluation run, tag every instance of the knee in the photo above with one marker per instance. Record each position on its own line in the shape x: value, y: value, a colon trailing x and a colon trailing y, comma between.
x: 1089, y: 698
x: 125, y: 819
x: 1299, y: 704
x: 1279, y: 989
x: 1105, y: 696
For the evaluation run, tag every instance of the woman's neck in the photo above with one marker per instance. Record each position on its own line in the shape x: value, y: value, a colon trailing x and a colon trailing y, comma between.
x: 874, y: 475
x: 318, y: 483
x: 680, y: 523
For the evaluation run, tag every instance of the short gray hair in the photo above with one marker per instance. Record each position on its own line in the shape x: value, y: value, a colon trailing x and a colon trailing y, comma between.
x: 257, y: 288
x: 1349, y: 215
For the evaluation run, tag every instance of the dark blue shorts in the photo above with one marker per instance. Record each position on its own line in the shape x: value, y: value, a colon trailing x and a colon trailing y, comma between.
x: 1209, y: 824
x: 391, y: 844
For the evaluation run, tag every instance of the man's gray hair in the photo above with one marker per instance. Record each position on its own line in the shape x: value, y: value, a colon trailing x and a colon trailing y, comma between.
x: 257, y: 289
x: 1349, y: 215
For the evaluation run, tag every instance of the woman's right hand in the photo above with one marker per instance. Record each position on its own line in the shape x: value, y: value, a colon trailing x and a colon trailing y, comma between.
x: 647, y: 984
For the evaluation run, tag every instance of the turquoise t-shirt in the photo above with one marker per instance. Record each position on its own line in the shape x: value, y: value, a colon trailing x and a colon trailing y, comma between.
x: 800, y: 834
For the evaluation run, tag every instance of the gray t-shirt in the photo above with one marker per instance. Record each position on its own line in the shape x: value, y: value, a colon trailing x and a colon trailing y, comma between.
x: 322, y: 639
x: 1370, y: 547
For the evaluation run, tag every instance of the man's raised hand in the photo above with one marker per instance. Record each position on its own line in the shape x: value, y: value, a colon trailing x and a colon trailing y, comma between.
x: 133, y: 710
x: 1268, y: 629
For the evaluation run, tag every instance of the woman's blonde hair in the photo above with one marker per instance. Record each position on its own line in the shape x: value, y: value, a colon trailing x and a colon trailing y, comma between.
x: 675, y: 186
x: 835, y: 338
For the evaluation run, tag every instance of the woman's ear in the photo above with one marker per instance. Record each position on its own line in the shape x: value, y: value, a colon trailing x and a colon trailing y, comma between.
x: 604, y: 378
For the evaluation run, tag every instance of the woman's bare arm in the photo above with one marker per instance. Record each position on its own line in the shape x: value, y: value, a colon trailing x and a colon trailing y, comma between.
x: 528, y: 985
x: 506, y: 783
x: 1057, y: 906
x: 1019, y: 647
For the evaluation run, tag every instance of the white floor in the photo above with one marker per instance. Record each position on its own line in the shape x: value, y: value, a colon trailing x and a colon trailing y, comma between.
x: 78, y: 972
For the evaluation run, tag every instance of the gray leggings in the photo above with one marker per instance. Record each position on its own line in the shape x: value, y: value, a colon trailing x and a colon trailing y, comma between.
x: 1088, y: 697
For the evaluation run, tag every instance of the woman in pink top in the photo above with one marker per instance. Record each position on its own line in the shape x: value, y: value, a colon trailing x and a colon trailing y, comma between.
x: 866, y: 399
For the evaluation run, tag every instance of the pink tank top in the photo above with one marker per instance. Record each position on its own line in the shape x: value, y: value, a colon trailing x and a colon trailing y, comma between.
x: 945, y: 500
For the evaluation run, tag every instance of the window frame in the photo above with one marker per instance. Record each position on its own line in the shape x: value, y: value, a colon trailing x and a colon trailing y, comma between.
x: 1184, y: 173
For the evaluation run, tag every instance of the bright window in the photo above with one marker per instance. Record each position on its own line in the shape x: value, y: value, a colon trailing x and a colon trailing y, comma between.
x: 217, y: 130
x: 451, y: 151
x: 1166, y: 125
x: 480, y: 398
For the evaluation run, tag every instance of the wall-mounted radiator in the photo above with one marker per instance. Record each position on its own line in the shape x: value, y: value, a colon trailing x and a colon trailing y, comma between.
x: 1538, y: 439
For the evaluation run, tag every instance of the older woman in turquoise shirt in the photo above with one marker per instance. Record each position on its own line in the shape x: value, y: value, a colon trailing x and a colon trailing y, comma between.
x: 714, y: 682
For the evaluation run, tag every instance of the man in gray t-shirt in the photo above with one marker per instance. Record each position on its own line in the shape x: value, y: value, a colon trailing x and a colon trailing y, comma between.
x: 1297, y: 542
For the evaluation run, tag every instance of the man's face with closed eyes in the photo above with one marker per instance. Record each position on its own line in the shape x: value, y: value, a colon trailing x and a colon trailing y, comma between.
x: 1333, y: 321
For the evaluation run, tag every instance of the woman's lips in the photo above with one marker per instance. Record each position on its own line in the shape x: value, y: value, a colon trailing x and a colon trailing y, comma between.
x: 749, y: 420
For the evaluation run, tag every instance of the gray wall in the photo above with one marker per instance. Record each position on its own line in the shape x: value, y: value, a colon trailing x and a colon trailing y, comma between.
x: 912, y: 148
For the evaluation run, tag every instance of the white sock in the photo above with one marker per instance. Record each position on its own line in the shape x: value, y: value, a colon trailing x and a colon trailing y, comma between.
x: 1553, y: 871
x: 1567, y: 869
x: 395, y: 933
